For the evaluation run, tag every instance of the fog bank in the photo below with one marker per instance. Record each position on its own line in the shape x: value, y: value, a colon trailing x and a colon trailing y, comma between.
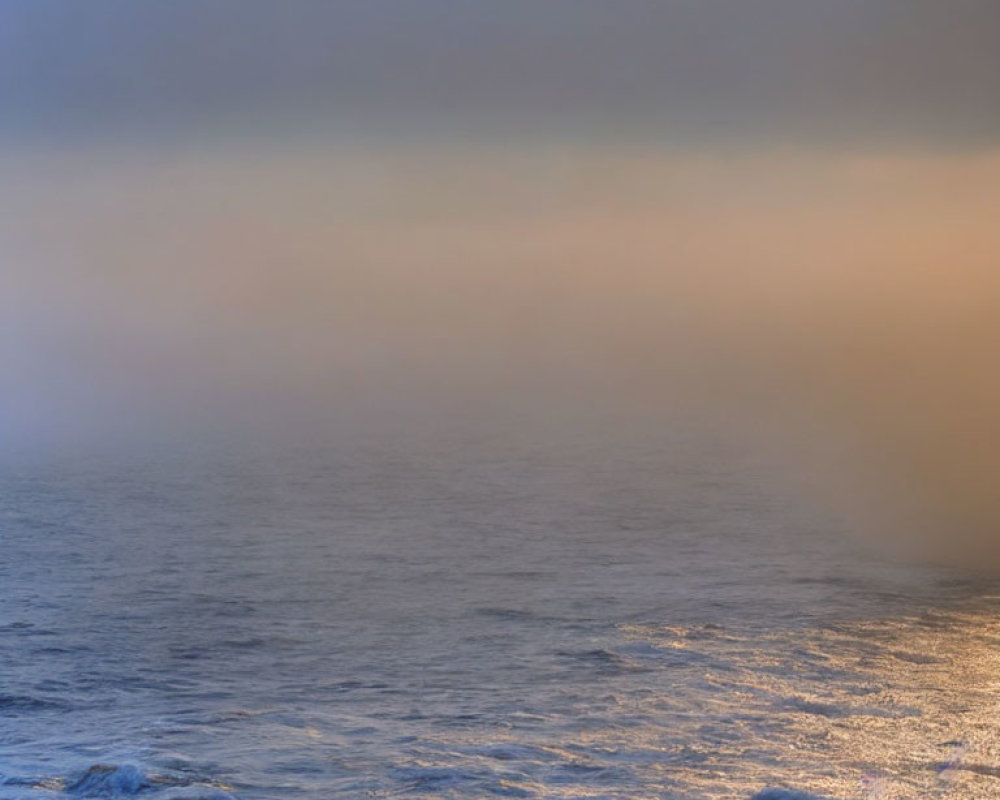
x: 846, y: 304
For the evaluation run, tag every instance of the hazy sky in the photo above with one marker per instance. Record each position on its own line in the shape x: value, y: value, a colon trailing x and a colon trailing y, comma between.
x: 226, y: 197
x: 242, y: 216
x: 848, y: 72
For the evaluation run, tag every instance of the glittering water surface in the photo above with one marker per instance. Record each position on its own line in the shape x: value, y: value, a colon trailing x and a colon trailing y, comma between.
x: 470, y: 618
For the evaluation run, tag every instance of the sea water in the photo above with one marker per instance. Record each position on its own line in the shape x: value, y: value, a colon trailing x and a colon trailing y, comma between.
x: 471, y: 616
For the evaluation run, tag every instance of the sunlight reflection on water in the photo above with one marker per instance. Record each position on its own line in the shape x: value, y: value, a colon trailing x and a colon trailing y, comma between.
x: 883, y: 709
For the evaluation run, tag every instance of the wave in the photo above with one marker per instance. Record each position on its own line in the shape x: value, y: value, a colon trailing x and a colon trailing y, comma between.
x: 12, y: 704
x: 120, y: 781
x: 102, y: 780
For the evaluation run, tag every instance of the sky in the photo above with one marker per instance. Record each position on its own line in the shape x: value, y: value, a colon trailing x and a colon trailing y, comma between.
x: 655, y: 72
x: 233, y: 216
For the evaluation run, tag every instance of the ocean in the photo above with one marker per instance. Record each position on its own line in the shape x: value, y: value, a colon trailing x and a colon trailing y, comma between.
x: 462, y: 614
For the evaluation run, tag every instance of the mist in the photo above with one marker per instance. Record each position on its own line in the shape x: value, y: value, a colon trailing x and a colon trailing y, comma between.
x: 841, y: 304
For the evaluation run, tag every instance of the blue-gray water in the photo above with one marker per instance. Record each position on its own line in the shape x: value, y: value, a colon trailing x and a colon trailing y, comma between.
x: 466, y: 617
